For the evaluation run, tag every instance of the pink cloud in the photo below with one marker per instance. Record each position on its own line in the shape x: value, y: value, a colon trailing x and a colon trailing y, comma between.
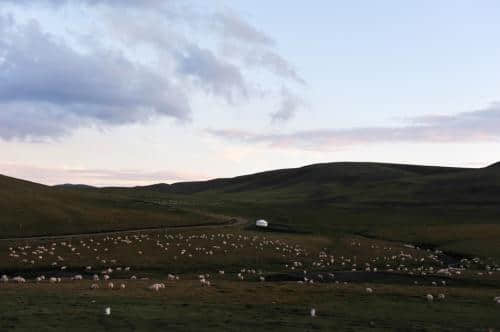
x: 96, y: 177
x: 475, y: 126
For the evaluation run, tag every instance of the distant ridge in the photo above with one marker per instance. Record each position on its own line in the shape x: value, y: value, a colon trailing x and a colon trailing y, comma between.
x: 161, y: 187
x: 324, y: 172
x: 74, y: 186
x: 494, y: 165
x: 339, y: 172
x: 31, y: 208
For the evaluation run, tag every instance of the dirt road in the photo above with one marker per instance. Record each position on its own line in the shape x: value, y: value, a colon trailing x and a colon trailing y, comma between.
x: 233, y: 222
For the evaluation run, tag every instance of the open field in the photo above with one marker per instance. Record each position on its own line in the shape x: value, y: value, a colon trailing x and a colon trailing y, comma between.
x: 403, y: 232
x: 299, y: 272
x: 245, y: 306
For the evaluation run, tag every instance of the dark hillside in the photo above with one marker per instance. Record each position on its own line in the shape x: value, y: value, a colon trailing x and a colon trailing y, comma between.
x: 317, y: 174
x: 456, y: 207
x: 28, y: 208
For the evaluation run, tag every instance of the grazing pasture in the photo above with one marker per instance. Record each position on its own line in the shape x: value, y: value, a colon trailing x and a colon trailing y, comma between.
x: 246, y: 306
x: 348, y: 247
x: 233, y: 277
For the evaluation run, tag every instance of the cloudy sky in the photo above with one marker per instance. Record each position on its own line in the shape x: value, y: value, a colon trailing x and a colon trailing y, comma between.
x: 125, y: 92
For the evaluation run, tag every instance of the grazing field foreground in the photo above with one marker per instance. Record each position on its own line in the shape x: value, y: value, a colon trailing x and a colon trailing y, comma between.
x: 238, y: 279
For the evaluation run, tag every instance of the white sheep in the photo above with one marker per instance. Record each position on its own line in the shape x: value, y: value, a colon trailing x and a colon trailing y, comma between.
x: 429, y: 297
x: 441, y: 296
x: 369, y: 290
x: 111, y: 285
x: 313, y: 312
x: 94, y: 286
x: 156, y: 287
x: 4, y: 278
x: 19, y: 280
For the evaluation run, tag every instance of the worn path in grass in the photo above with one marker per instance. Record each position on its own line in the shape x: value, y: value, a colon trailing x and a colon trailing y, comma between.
x: 233, y: 222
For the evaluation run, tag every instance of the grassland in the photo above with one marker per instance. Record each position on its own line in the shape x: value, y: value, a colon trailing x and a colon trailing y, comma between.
x: 403, y: 231
x: 395, y: 202
x: 282, y: 302
x: 230, y: 306
x: 30, y: 209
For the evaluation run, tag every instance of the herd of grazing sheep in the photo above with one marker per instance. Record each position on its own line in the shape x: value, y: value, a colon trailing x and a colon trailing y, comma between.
x: 101, y: 261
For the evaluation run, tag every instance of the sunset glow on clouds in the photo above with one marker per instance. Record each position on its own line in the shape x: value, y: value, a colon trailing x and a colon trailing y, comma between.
x: 137, y: 92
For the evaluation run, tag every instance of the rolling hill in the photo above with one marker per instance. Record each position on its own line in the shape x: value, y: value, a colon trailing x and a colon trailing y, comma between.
x: 356, y: 183
x: 29, y: 208
x: 328, y: 173
x: 454, y: 209
x: 447, y: 207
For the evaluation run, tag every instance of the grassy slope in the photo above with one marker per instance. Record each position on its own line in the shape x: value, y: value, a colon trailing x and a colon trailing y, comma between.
x: 32, y: 209
x: 439, y: 206
x: 397, y: 202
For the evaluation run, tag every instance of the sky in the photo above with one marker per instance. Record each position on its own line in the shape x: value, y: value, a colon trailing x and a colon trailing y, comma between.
x: 125, y: 92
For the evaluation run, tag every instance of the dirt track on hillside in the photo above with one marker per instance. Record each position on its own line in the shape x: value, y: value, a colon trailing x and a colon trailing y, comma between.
x: 233, y: 222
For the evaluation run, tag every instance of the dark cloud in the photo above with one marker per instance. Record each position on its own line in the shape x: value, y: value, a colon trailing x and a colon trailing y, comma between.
x: 63, y: 84
x: 233, y: 27
x: 252, y: 46
x: 290, y: 103
x: 50, y: 86
x: 476, y: 126
x: 29, y: 121
x: 119, y: 3
x: 217, y: 77
x: 277, y: 64
x: 263, y: 58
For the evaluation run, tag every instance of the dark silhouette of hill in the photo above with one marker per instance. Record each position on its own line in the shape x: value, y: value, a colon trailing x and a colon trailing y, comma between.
x: 345, y: 173
x: 75, y: 186
x: 346, y: 192
x: 28, y: 208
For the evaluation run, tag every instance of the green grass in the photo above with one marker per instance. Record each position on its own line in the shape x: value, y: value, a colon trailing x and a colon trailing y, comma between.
x: 360, y: 213
x: 449, y: 208
x: 32, y: 209
x: 243, y: 306
x: 396, y: 304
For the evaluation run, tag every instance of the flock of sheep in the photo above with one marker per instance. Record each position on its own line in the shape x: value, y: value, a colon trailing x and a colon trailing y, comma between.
x: 99, y: 258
